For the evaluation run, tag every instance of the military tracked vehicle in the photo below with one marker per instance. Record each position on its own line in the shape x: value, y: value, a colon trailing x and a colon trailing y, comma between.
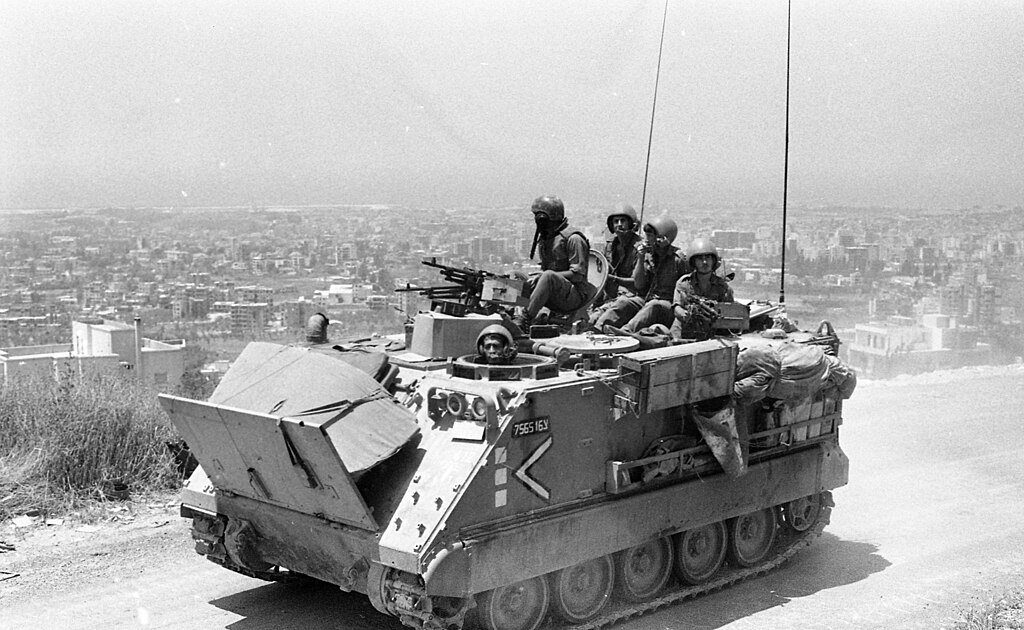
x: 585, y: 481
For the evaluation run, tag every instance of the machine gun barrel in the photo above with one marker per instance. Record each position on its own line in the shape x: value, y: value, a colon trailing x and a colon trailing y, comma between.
x: 466, y: 284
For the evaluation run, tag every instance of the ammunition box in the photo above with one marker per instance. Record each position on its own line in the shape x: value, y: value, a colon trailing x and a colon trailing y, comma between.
x: 822, y: 405
x: 677, y: 375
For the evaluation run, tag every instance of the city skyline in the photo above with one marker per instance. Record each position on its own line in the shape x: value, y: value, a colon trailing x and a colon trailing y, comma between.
x: 917, y: 104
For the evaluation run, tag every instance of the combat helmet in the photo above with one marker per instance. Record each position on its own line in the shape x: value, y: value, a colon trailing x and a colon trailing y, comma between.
x: 625, y: 210
x: 664, y: 226
x: 316, y: 328
x: 550, y: 206
x: 701, y: 246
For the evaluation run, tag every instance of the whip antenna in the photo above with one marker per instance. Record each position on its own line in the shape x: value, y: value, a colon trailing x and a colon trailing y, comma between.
x: 785, y: 161
x: 654, y: 106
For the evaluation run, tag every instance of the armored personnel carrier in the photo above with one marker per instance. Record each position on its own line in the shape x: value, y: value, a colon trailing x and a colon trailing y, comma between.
x: 585, y: 481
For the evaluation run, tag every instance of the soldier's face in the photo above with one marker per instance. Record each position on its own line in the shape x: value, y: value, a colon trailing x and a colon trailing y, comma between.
x: 493, y: 348
x: 621, y: 224
x: 544, y: 222
x: 654, y: 239
x: 705, y: 263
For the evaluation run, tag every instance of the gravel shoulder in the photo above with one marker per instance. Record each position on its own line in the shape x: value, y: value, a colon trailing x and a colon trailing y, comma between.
x: 125, y: 538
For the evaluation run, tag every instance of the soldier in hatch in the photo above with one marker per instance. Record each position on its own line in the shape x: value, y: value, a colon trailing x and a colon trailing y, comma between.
x: 495, y: 346
x: 697, y: 292
x: 659, y: 264
x: 562, y: 284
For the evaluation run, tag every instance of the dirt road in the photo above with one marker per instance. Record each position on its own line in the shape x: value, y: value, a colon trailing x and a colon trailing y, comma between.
x: 929, y: 524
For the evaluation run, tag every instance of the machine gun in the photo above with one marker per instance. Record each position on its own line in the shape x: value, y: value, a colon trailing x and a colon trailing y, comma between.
x: 471, y: 291
x: 703, y: 309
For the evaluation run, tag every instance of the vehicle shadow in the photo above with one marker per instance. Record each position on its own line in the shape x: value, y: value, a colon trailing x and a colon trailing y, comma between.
x: 829, y: 563
x: 307, y: 606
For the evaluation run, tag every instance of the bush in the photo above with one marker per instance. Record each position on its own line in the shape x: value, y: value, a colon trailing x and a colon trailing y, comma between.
x: 68, y: 443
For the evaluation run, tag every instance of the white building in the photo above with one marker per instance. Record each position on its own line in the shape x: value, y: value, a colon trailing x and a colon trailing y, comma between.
x: 903, y: 346
x: 100, y: 345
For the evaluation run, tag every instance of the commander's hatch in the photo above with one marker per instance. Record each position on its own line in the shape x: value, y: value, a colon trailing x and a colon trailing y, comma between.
x: 294, y: 428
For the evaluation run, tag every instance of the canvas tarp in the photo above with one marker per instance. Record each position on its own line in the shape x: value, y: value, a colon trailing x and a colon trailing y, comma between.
x: 789, y: 372
x: 364, y: 423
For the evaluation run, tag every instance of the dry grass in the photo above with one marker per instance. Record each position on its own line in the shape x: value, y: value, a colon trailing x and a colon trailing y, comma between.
x: 1005, y: 614
x: 64, y: 445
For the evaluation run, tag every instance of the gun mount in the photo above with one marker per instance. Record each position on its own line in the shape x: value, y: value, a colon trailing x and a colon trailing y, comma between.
x: 470, y: 291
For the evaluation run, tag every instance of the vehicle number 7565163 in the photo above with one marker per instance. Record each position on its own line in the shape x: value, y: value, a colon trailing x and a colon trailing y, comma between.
x: 529, y: 427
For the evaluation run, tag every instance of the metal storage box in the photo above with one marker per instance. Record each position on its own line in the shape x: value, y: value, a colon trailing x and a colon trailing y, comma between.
x: 666, y: 377
x: 440, y: 335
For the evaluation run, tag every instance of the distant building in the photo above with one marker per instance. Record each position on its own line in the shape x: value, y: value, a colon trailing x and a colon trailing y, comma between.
x: 255, y: 294
x: 100, y: 345
x: 342, y: 294
x: 295, y: 313
x: 249, y: 317
x: 901, y: 346
x: 377, y: 301
x: 733, y: 239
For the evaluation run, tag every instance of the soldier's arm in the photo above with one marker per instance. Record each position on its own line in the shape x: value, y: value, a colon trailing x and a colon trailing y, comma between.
x: 579, y: 257
x: 629, y: 258
x: 640, y: 273
x: 681, y: 298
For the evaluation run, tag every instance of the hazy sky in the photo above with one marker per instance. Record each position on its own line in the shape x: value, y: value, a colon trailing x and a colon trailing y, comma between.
x: 911, y: 104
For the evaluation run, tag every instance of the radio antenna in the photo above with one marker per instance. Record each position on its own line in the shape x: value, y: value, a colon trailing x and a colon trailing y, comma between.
x: 654, y: 106
x: 785, y: 161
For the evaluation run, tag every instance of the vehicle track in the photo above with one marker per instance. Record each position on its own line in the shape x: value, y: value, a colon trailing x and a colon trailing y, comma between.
x: 789, y: 544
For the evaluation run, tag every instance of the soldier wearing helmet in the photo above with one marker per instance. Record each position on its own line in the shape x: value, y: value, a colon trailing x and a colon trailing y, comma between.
x: 561, y: 285
x: 495, y: 346
x: 621, y: 253
x: 696, y: 292
x: 659, y: 265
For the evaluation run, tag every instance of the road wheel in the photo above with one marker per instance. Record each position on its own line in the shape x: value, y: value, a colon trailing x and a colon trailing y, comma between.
x: 581, y: 591
x: 700, y: 552
x: 519, y: 606
x: 751, y: 537
x: 801, y: 514
x: 644, y: 570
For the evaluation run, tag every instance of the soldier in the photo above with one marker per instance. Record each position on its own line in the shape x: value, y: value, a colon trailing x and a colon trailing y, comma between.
x: 693, y: 304
x: 564, y: 253
x: 621, y: 253
x: 495, y: 346
x: 659, y: 264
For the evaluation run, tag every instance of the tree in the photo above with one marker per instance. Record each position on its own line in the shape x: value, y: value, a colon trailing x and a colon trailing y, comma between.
x: 195, y: 384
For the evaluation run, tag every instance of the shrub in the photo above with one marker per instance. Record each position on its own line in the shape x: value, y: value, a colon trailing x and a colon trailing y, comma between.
x: 65, y: 443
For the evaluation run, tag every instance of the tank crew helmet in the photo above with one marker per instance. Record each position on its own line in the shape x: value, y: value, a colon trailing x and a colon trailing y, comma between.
x: 496, y: 345
x: 627, y: 211
x: 548, y: 207
x: 548, y: 215
x: 316, y: 328
x: 702, y: 247
x: 662, y: 226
